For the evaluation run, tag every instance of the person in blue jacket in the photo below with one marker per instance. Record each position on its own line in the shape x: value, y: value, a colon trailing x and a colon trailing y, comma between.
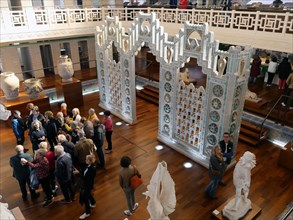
x: 18, y: 127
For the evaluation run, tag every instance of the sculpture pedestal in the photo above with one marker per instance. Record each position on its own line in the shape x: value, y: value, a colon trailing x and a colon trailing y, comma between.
x: 71, y: 91
x: 251, y: 214
x: 243, y: 208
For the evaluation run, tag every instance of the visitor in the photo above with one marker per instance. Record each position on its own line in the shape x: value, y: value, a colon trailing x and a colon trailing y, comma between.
x: 35, y: 115
x: 18, y: 127
x: 76, y: 115
x: 66, y: 112
x: 98, y: 138
x: 288, y: 92
x: 88, y: 127
x: 272, y: 70
x: 51, y: 158
x: 284, y: 71
x: 84, y: 146
x: 125, y: 175
x: 22, y: 173
x: 92, y: 114
x: 73, y: 132
x: 41, y: 166
x: 37, y: 134
x: 255, y: 69
x: 107, y: 122
x: 227, y: 150
x: 67, y: 145
x: 63, y: 173
x: 30, y: 107
x: 215, y: 171
x: 51, y: 129
x: 87, y: 175
x: 60, y: 122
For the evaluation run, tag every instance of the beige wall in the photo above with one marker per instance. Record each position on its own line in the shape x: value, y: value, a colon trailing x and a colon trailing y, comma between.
x: 91, y: 52
x: 74, y: 54
x: 36, y: 59
x: 10, y: 61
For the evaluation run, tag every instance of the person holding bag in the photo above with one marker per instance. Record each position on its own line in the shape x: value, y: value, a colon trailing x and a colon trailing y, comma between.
x: 127, y: 176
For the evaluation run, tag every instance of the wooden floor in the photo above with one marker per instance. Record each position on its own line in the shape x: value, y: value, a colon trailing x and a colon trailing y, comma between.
x: 272, y: 185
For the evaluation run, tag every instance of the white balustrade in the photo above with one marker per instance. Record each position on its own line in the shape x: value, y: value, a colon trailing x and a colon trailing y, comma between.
x: 16, y: 24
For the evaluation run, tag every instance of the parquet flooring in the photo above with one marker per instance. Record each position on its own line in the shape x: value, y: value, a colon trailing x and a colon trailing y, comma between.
x: 271, y: 188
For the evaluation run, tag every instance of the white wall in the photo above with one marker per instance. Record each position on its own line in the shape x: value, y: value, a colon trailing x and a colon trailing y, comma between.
x: 10, y: 61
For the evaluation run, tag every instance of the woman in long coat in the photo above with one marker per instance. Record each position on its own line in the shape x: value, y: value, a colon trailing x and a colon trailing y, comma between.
x: 284, y: 71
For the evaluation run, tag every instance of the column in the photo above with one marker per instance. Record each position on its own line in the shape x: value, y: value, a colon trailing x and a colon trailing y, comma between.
x: 91, y: 52
x: 36, y: 59
x: 87, y: 3
x: 49, y: 4
x: 55, y: 49
x: 75, y: 54
x: 70, y: 4
x: 10, y: 61
x: 4, y: 4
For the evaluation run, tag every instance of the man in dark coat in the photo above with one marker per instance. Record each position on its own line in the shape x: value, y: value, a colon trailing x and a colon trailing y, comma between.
x: 63, y: 173
x: 284, y: 71
x: 227, y: 151
x: 22, y: 173
x: 98, y: 138
x: 67, y: 145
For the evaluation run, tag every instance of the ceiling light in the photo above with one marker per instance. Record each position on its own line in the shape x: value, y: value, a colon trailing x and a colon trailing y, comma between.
x: 118, y: 123
x: 187, y: 165
x: 101, y: 113
x: 159, y: 147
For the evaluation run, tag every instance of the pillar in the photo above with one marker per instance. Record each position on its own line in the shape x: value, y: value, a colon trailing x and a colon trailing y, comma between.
x: 10, y: 61
x: 55, y: 49
x: 26, y: 3
x: 75, y: 54
x: 36, y: 59
x: 91, y: 52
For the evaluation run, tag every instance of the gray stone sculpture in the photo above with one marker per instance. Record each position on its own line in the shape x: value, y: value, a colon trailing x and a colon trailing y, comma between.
x: 240, y: 205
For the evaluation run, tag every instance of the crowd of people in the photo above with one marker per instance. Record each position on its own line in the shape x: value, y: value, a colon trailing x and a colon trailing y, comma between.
x: 283, y: 70
x: 64, y: 150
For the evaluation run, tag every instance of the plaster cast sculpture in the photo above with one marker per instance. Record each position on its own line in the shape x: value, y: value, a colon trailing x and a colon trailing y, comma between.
x: 251, y: 96
x: 5, y: 213
x: 65, y: 68
x: 161, y: 191
x: 184, y: 76
x: 9, y: 85
x: 4, y: 113
x: 33, y: 87
x: 240, y: 205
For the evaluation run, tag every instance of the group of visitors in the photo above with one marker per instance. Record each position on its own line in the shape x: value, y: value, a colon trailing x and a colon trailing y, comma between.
x: 282, y: 69
x: 64, y: 148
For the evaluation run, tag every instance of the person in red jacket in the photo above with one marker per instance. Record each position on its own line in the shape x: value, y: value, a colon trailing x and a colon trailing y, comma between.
x: 107, y: 121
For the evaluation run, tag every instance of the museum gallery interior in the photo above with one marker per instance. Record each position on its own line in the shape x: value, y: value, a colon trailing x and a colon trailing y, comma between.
x: 146, y: 110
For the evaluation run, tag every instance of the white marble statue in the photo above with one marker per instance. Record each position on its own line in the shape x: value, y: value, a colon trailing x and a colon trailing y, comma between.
x: 4, y: 113
x: 251, y: 96
x: 5, y: 213
x: 240, y: 205
x: 161, y: 191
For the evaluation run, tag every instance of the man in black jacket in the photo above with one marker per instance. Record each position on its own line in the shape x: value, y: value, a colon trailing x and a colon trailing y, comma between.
x: 227, y: 151
x: 22, y: 173
x: 63, y: 173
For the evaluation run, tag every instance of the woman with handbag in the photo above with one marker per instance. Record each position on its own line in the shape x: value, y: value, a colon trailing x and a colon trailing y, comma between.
x: 41, y: 166
x: 87, y: 176
x: 128, y: 180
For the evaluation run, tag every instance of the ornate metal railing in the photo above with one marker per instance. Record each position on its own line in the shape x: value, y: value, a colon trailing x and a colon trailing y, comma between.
x: 29, y: 20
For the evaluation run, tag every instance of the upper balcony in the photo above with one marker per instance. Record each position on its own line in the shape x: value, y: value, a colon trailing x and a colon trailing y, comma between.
x: 266, y: 30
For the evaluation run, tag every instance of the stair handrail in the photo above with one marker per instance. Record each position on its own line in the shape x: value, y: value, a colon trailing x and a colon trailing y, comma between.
x: 261, y: 126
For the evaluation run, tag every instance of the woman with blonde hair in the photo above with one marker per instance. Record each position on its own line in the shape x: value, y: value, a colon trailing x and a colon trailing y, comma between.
x: 76, y: 115
x: 88, y: 176
x: 216, y: 169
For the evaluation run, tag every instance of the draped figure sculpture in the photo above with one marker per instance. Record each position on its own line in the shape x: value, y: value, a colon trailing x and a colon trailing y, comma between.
x: 161, y: 191
x: 239, y: 206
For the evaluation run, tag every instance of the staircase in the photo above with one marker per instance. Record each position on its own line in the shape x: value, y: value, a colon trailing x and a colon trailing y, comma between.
x: 249, y: 133
x: 149, y: 93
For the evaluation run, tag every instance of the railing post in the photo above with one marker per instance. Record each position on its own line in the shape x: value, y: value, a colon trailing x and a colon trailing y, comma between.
x: 256, y: 21
x: 149, y: 11
x: 285, y: 22
x: 161, y: 15
x: 192, y: 16
x: 29, y: 14
x: 232, y: 19
x: 211, y: 17
x: 126, y: 13
x: 176, y: 16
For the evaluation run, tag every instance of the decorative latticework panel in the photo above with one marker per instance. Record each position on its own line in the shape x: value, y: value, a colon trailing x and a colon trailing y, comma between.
x: 115, y: 84
x: 189, y: 114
